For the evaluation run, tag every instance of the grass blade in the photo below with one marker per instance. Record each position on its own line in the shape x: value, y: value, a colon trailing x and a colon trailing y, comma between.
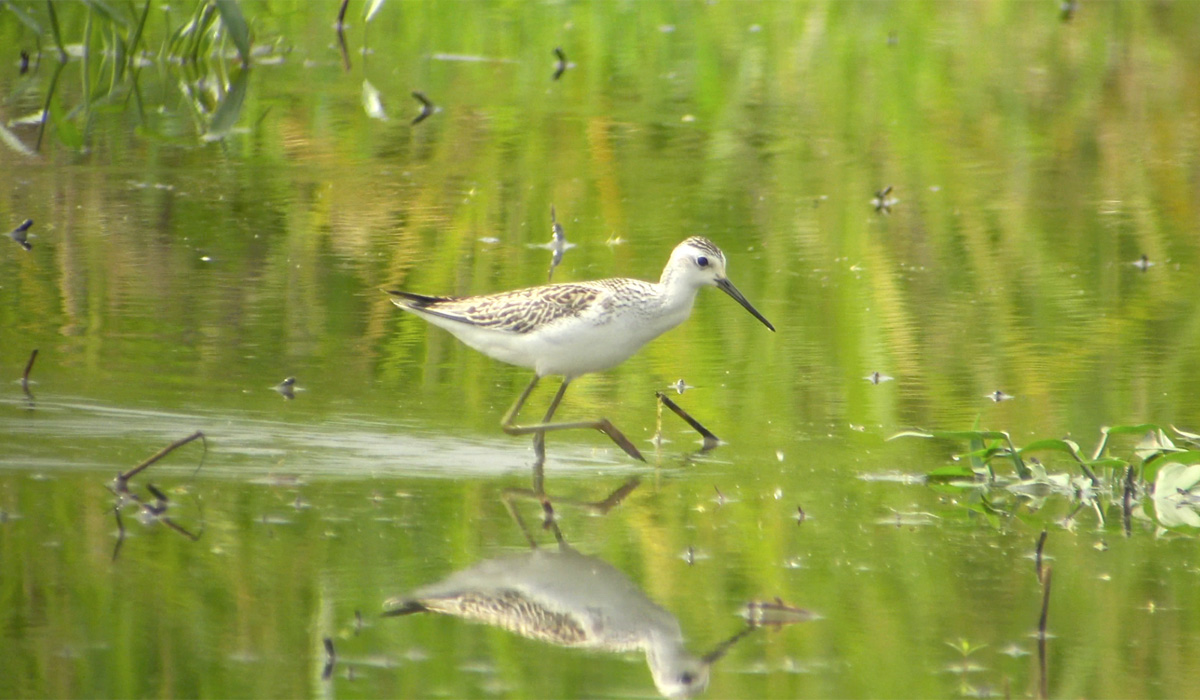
x: 25, y: 18
x: 137, y: 36
x: 372, y: 9
x: 1109, y: 431
x: 235, y: 24
x: 14, y: 143
x: 230, y: 109
x: 46, y: 107
x: 108, y: 13
x: 62, y: 53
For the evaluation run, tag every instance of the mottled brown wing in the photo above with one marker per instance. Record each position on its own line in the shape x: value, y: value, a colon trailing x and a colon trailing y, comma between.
x: 518, y: 311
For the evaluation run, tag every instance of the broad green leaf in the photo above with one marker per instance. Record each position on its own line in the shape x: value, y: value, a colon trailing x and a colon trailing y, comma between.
x: 119, y: 59
x: 1183, y: 457
x: 1109, y: 431
x: 230, y: 109
x: 950, y: 472
x: 1174, y: 502
x: 1054, y: 445
x: 978, y: 463
x: 65, y: 129
x: 235, y: 24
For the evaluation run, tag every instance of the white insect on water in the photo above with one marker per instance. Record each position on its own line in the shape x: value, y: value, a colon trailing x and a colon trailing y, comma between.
x: 575, y: 328
x: 878, y: 378
x: 558, y: 244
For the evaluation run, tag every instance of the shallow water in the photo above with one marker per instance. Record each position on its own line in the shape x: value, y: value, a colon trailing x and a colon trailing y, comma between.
x: 174, y: 281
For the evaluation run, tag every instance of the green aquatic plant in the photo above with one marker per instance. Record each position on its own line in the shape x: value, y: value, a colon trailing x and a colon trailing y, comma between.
x: 111, y: 45
x: 1115, y: 473
x: 990, y: 446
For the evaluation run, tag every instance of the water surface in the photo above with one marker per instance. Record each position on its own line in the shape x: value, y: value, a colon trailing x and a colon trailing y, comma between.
x: 178, y: 274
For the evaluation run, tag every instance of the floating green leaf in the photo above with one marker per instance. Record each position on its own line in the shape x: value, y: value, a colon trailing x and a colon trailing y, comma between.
x: 1174, y: 502
x: 1179, y: 457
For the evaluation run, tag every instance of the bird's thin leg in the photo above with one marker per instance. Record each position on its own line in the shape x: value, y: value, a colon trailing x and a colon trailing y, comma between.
x: 539, y: 438
x: 509, y: 417
x: 539, y: 430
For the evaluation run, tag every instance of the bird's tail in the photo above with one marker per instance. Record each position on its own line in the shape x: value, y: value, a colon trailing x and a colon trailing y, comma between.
x: 397, y: 607
x: 415, y: 301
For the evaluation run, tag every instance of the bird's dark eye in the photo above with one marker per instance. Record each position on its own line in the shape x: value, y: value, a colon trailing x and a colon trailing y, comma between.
x: 686, y: 678
x: 702, y: 261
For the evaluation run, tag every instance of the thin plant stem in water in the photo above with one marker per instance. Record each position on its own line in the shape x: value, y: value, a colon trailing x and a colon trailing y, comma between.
x: 1043, y: 684
x: 1041, y: 543
x: 46, y: 106
x: 28, y: 368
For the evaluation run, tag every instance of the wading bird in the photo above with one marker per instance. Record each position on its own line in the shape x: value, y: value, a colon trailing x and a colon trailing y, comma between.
x: 575, y: 328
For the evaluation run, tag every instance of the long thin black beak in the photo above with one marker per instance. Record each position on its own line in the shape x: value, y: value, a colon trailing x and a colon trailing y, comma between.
x: 726, y: 286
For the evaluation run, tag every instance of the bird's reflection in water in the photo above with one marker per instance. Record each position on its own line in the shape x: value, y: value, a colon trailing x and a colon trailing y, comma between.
x: 561, y: 596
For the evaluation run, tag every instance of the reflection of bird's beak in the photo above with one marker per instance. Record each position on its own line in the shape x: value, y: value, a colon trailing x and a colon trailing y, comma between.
x: 726, y: 286
x: 715, y: 655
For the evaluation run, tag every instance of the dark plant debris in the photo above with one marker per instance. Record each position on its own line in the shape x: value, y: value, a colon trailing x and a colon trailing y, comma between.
x: 1041, y: 544
x: 560, y: 66
x: 20, y: 234
x: 883, y: 201
x: 341, y: 34
x: 330, y: 659
x: 1043, y: 682
x: 710, y: 440
x: 155, y: 509
x: 427, y: 107
x: 287, y: 388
